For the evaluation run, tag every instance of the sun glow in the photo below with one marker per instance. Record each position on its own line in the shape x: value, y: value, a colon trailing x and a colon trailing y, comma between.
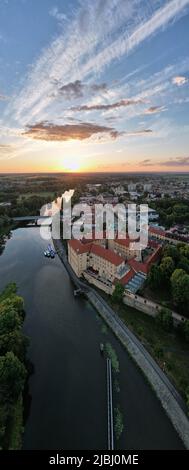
x: 71, y: 164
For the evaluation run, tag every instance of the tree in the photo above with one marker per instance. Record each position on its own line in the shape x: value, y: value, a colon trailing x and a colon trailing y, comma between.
x: 186, y: 330
x: 167, y: 267
x: 171, y: 251
x: 155, y: 277
x: 187, y: 398
x: 183, y: 264
x: 180, y: 289
x: 14, y: 302
x: 9, y: 321
x: 165, y: 318
x: 118, y: 292
x: 16, y: 342
x: 12, y: 377
x: 10, y: 290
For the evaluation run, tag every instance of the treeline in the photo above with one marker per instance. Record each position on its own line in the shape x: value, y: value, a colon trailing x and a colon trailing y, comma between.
x: 172, y: 211
x: 172, y: 275
x: 26, y: 206
x: 5, y: 225
x: 13, y: 369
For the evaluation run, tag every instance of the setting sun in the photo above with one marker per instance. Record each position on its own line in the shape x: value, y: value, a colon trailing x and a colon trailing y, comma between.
x: 71, y: 165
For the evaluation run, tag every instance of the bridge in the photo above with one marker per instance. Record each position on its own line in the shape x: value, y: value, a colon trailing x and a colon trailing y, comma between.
x: 29, y: 218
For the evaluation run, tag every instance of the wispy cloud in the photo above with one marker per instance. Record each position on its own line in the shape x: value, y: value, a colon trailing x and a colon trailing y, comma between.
x: 139, y: 132
x: 171, y: 162
x: 3, y: 98
x: 179, y: 80
x: 178, y: 161
x: 125, y: 44
x: 7, y: 151
x: 107, y: 107
x: 77, y: 89
x: 59, y: 16
x: 91, y: 40
x: 72, y: 90
x: 155, y: 110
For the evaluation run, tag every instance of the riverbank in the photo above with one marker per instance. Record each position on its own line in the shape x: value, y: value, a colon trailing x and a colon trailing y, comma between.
x: 13, y: 369
x: 165, y: 391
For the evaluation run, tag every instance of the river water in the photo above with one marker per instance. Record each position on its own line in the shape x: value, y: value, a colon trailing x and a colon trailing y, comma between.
x: 68, y: 387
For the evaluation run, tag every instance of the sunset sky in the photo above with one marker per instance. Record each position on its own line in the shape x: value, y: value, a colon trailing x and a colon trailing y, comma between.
x: 94, y: 85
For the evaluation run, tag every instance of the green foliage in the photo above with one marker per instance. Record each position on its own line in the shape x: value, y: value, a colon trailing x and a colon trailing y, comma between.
x: 155, y: 277
x: 186, y: 330
x: 173, y: 274
x: 180, y: 290
x: 13, y: 346
x: 158, y: 351
x: 9, y: 291
x: 9, y: 320
x: 16, y: 342
x: 172, y: 251
x: 113, y: 356
x: 12, y: 377
x: 118, y: 293
x: 15, y: 442
x: 118, y: 423
x: 172, y: 211
x: 165, y: 318
x: 167, y: 267
x: 187, y: 398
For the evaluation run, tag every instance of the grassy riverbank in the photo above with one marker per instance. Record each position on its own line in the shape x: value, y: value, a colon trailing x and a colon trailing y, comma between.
x: 168, y: 348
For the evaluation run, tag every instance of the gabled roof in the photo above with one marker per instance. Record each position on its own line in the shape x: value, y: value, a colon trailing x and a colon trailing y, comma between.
x: 108, y: 255
x: 157, y: 231
x: 125, y: 279
x: 78, y: 247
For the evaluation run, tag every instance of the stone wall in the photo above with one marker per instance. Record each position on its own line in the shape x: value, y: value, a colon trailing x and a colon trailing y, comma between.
x: 147, y: 306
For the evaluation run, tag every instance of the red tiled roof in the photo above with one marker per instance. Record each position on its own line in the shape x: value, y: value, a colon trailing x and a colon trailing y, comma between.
x: 106, y: 254
x: 126, y: 278
x: 125, y: 241
x: 137, y: 266
x: 153, y: 243
x: 77, y: 246
x: 95, y: 236
x: 157, y: 231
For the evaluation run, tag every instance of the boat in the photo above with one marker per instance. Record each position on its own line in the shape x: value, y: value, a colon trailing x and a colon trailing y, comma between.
x: 47, y: 254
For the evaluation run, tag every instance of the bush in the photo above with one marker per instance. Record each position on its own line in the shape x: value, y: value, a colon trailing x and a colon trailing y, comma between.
x: 165, y: 319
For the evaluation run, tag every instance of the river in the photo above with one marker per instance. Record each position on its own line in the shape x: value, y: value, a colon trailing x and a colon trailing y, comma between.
x: 68, y: 387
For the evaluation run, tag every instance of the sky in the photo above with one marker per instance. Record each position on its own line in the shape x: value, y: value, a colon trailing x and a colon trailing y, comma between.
x: 94, y: 85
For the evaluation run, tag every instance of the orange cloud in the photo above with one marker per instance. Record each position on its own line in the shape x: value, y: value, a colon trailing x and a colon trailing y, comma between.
x: 81, y: 131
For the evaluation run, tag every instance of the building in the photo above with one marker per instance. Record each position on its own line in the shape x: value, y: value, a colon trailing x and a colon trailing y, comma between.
x: 78, y: 256
x: 131, y: 187
x: 119, y: 191
x: 123, y: 248
x: 105, y: 267
x: 97, y: 264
